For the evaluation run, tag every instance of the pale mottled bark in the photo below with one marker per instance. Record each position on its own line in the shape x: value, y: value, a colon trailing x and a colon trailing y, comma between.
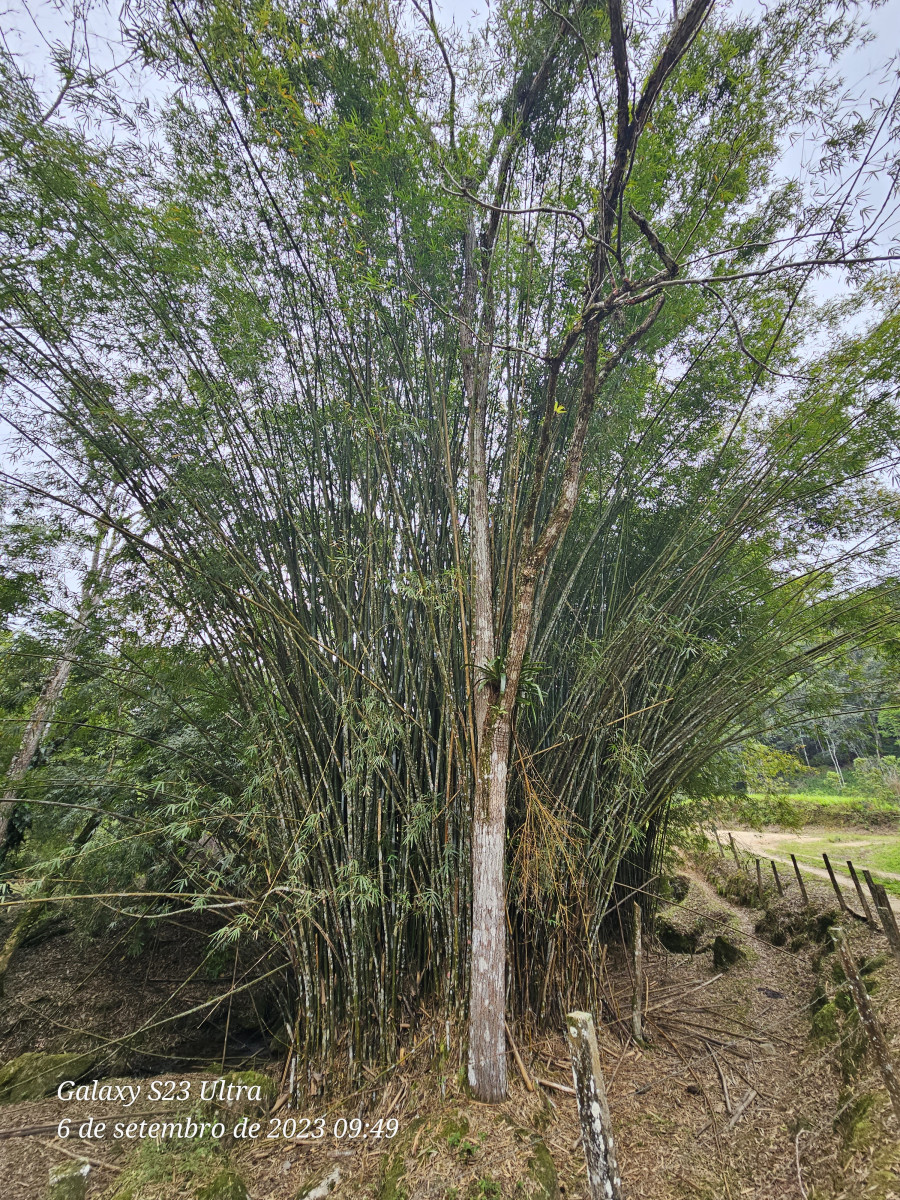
x: 495, y: 706
x: 37, y: 723
x: 487, y: 1003
x: 604, y: 1181
x: 487, y: 999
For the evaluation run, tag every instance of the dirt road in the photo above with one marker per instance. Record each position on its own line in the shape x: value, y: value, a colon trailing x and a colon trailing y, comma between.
x: 766, y: 844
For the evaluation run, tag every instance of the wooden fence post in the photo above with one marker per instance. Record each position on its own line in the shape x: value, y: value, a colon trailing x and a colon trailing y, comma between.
x: 888, y: 919
x: 604, y: 1182
x: 869, y: 1019
x: 834, y: 883
x: 734, y: 849
x: 69, y: 1180
x: 778, y: 882
x: 637, y: 962
x: 800, y: 880
x: 759, y: 882
x: 861, y: 894
x: 718, y: 843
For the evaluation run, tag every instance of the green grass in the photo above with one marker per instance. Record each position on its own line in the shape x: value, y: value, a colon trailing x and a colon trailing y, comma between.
x: 887, y: 857
x: 878, y: 852
x: 849, y: 800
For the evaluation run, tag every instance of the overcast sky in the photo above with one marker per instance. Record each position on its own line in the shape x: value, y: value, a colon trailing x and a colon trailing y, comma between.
x: 31, y: 29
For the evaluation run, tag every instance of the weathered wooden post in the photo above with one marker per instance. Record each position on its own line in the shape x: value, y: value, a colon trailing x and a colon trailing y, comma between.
x: 734, y: 849
x: 834, y: 883
x: 800, y: 880
x: 759, y: 882
x: 869, y: 1020
x: 69, y: 1181
x: 888, y: 918
x: 718, y: 843
x: 861, y: 894
x: 604, y: 1182
x: 637, y: 963
x: 778, y: 883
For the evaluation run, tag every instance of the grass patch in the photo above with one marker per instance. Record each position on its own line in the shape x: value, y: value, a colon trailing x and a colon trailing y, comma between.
x: 800, y: 807
x: 185, y: 1162
x: 848, y: 799
x: 887, y: 857
x: 877, y: 852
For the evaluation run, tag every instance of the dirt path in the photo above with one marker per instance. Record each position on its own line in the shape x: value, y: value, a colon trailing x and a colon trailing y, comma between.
x: 711, y: 1111
x: 768, y: 845
x: 765, y: 841
x: 727, y: 1098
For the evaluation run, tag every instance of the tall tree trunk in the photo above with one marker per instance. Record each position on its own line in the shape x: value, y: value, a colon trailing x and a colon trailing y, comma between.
x: 495, y: 709
x: 53, y: 688
x: 834, y: 759
x: 487, y: 1002
x: 873, y: 721
x: 487, y: 998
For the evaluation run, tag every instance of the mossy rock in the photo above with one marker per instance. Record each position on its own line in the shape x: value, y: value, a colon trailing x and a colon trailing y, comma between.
x: 868, y: 966
x: 726, y: 953
x: 227, y: 1185
x: 820, y: 924
x: 735, y: 883
x: 782, y: 924
x: 68, y: 1181
x: 392, y: 1178
x: 33, y: 1075
x: 678, y: 938
x: 542, y: 1171
x: 826, y: 1023
x: 485, y: 1189
x: 676, y: 888
x: 243, y: 1105
x: 854, y: 1122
